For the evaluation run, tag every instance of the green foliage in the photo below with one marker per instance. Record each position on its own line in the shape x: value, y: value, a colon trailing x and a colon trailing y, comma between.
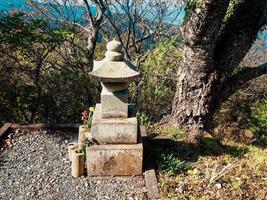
x: 174, y: 132
x: 171, y: 164
x: 19, y: 33
x: 86, y: 143
x: 231, y: 8
x: 100, y: 50
x: 169, y: 161
x: 154, y: 93
x: 209, y: 144
x: 45, y: 67
x: 143, y: 119
x: 257, y: 121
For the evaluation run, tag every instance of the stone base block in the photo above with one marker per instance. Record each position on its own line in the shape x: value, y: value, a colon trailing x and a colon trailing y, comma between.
x: 114, y: 104
x: 114, y: 131
x: 114, y: 160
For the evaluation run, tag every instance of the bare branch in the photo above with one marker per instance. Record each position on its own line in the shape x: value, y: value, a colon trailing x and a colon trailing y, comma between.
x: 235, y: 82
x: 100, y: 11
x: 89, y: 11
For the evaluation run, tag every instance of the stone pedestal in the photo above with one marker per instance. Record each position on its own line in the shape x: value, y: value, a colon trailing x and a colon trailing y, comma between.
x: 114, y: 130
x: 119, y: 151
x: 115, y: 160
x: 114, y: 104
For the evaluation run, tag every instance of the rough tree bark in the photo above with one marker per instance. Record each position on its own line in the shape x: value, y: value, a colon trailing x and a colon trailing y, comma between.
x: 212, y: 50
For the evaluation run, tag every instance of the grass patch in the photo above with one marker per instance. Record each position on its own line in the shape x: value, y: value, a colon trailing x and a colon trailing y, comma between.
x: 222, y: 170
x: 209, y: 144
x: 257, y: 122
x: 170, y: 131
x: 174, y: 133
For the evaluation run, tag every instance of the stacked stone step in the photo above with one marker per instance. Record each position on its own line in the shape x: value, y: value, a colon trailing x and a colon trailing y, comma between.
x: 119, y: 149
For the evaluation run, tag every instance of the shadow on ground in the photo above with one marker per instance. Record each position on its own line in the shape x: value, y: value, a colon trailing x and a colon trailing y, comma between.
x: 63, y: 135
x: 157, y: 148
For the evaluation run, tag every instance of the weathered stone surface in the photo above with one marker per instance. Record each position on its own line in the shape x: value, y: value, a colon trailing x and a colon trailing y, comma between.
x: 114, y: 160
x: 114, y: 104
x: 114, y: 124
x: 115, y: 86
x: 114, y: 68
x: 152, y: 184
x: 113, y: 130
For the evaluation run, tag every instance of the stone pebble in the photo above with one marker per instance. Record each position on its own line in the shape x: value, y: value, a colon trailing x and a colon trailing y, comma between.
x: 34, y: 165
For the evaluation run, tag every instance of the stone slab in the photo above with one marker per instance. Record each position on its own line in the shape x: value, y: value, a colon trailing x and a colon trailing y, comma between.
x: 115, y: 160
x: 34, y: 126
x: 114, y: 131
x: 152, y: 184
x: 4, y: 129
x: 114, y: 104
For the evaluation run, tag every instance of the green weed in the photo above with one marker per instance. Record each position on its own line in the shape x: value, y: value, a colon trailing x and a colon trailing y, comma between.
x: 175, y: 133
x: 172, y: 165
x: 257, y: 122
x: 143, y: 119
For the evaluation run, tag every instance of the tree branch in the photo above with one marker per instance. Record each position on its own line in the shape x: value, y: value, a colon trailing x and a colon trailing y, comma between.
x: 239, y: 33
x: 100, y: 11
x: 89, y: 11
x: 236, y: 81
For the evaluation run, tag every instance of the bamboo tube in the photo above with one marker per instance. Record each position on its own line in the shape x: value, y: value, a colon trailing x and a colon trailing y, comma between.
x: 77, y: 164
x: 83, y: 131
x: 71, y: 148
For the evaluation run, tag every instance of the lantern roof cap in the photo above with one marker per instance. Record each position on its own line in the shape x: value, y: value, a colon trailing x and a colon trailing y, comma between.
x: 114, y: 68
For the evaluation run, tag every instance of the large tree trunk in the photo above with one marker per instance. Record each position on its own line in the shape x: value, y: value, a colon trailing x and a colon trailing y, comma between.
x: 197, y: 81
x: 212, y: 50
x: 197, y: 76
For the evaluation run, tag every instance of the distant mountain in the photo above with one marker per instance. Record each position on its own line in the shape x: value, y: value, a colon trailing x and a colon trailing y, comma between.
x: 73, y: 12
x: 21, y: 5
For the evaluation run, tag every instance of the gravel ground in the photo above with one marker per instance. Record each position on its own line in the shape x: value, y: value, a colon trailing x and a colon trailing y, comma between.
x: 34, y: 165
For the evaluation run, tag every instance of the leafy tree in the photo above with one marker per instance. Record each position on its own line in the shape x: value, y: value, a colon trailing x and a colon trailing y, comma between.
x: 42, y: 70
x: 28, y: 44
x: 215, y: 42
x: 158, y: 82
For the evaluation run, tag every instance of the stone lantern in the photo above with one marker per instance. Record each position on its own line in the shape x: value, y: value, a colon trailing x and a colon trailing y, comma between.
x: 114, y: 73
x: 119, y: 149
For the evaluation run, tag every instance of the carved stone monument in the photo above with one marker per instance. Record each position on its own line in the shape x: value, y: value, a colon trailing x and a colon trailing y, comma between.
x: 119, y: 149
